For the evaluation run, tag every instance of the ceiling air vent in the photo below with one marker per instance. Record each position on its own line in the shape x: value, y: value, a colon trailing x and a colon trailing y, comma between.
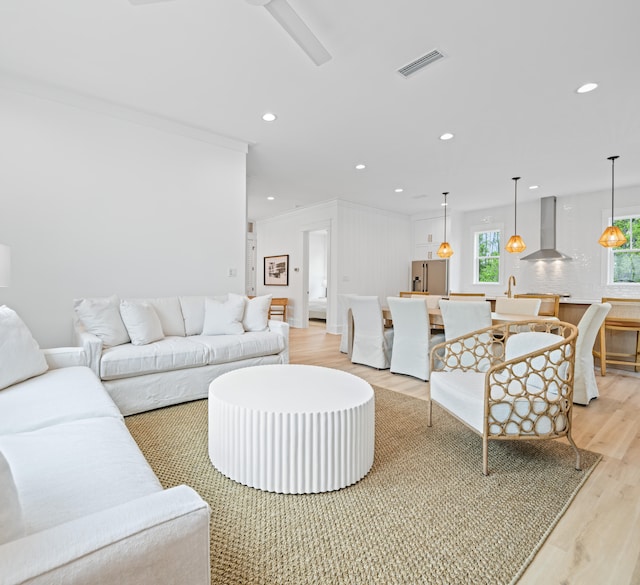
x: 418, y: 64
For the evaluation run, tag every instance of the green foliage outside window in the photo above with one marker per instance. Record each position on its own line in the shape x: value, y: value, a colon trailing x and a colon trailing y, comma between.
x: 626, y: 258
x: 488, y: 256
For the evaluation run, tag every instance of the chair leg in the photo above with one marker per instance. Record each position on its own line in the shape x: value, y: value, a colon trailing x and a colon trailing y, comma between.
x: 578, y: 457
x: 429, y: 413
x: 603, y: 352
x: 485, y: 455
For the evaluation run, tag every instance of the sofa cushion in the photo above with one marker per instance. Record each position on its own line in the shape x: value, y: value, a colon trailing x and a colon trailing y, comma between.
x: 462, y: 393
x: 73, y: 469
x: 56, y: 396
x: 169, y: 312
x: 101, y: 317
x: 223, y: 318
x: 170, y: 353
x: 142, y: 322
x: 11, y: 521
x: 20, y: 356
x: 230, y: 348
x: 256, y: 313
x: 193, y: 312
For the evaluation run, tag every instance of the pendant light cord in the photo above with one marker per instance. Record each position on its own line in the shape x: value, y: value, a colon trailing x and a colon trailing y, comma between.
x: 613, y: 162
x: 515, y: 207
x: 445, y: 215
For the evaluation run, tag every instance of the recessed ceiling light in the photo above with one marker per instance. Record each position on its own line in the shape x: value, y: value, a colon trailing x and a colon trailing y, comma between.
x: 587, y: 87
x: 269, y: 117
x: 270, y: 198
x: 398, y: 190
x: 533, y: 187
x: 446, y: 136
x: 360, y: 167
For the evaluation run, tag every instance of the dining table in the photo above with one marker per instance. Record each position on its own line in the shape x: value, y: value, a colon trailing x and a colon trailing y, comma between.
x: 435, y: 318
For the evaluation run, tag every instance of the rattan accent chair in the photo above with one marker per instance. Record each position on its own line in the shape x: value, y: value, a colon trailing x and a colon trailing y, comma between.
x: 519, y: 386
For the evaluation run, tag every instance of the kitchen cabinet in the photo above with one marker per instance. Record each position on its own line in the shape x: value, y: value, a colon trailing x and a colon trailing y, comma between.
x: 427, y: 237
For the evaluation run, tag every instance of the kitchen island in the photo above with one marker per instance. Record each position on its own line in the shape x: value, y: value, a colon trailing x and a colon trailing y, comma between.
x: 572, y: 310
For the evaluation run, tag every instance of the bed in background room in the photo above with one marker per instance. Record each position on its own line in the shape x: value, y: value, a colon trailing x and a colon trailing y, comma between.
x: 318, y: 308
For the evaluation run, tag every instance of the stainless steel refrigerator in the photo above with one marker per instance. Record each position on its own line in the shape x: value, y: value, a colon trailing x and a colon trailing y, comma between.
x: 430, y: 276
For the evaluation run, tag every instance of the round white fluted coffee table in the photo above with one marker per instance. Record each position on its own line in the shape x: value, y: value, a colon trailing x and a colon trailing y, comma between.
x: 291, y: 429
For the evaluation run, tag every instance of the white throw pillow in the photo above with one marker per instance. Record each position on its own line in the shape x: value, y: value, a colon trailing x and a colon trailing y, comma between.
x: 11, y: 521
x: 223, y: 318
x: 101, y: 317
x: 142, y: 322
x: 170, y: 314
x: 256, y: 312
x: 20, y: 355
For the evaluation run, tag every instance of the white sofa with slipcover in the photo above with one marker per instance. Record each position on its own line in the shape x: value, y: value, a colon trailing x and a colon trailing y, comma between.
x: 155, y: 352
x: 78, y: 501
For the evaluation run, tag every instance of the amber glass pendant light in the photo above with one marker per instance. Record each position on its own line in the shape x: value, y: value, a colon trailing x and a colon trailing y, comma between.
x: 445, y: 250
x: 612, y: 236
x: 516, y: 243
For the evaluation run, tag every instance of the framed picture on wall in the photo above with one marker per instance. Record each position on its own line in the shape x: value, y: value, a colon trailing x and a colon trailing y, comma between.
x: 276, y: 270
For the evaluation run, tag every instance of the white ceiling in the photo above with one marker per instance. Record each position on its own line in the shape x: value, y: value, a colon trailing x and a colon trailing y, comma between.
x: 506, y: 90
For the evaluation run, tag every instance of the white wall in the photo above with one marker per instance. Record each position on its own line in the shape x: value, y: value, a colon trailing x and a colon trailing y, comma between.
x: 93, y: 205
x: 369, y: 253
x: 580, y: 219
x: 374, y: 251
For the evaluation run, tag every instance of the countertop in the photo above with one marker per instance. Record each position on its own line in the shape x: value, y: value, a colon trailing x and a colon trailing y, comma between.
x: 563, y: 300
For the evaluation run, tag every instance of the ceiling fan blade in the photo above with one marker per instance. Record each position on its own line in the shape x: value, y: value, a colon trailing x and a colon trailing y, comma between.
x: 289, y: 20
x: 136, y: 2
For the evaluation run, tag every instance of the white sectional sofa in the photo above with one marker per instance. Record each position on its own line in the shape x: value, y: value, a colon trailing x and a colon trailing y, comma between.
x: 155, y: 352
x: 79, y: 503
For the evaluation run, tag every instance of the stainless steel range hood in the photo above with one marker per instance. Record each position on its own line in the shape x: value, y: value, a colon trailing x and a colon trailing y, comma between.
x: 547, y: 249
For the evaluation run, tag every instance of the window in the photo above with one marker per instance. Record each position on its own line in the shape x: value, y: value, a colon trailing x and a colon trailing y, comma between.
x: 625, y: 265
x: 487, y: 256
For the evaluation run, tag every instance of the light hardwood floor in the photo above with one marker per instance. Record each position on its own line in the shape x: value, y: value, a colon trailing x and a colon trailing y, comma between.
x: 597, y: 541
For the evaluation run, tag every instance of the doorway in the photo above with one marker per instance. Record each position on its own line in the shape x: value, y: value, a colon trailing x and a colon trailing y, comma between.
x: 316, y: 271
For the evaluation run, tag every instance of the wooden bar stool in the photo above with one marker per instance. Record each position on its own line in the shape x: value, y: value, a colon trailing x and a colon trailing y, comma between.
x: 623, y: 316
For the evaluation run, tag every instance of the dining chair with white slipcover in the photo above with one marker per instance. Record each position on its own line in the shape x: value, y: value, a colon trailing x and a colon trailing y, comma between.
x: 372, y: 342
x: 549, y: 303
x: 412, y: 339
x: 343, y: 313
x: 462, y: 317
x: 472, y: 297
x: 517, y: 306
x: 585, y: 386
x: 433, y: 301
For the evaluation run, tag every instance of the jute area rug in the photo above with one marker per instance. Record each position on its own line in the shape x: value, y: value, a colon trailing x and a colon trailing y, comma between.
x: 423, y: 514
